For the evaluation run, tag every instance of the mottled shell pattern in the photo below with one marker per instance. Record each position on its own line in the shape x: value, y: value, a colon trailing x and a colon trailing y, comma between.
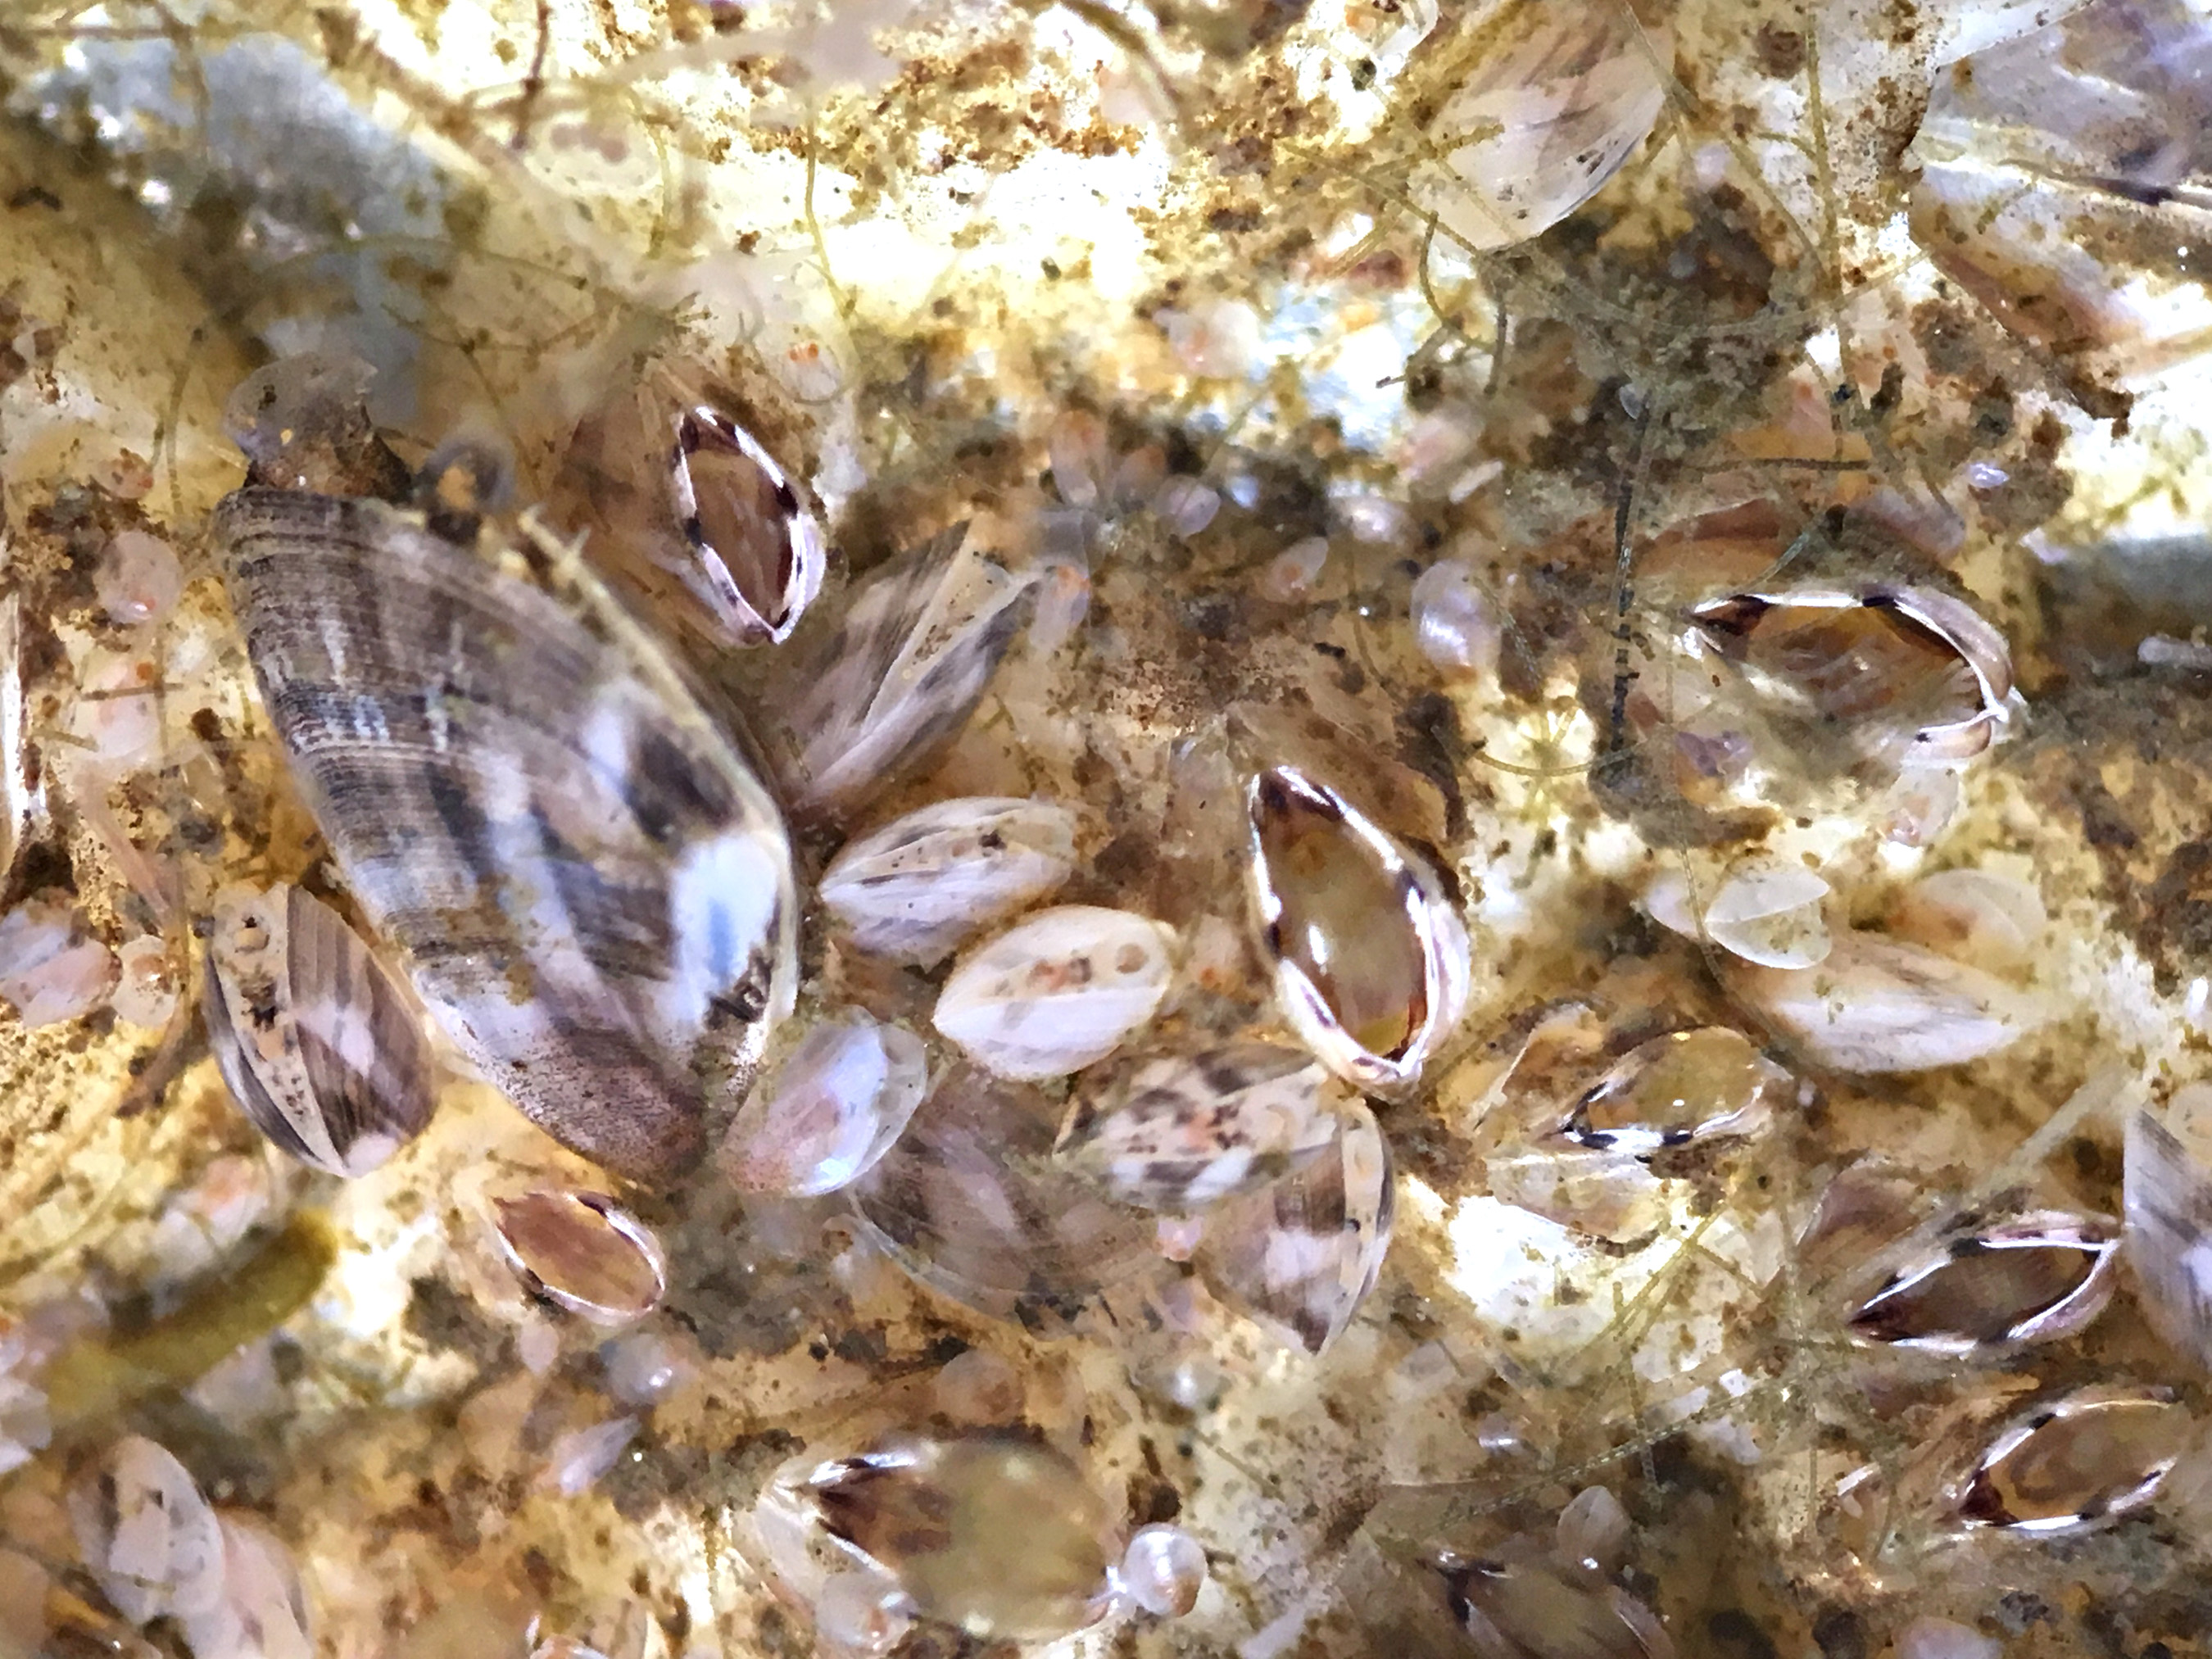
x: 922, y: 885
x: 321, y: 1047
x: 591, y: 889
x: 1302, y: 1253
x: 1179, y: 1131
x: 1058, y: 992
x: 1370, y: 955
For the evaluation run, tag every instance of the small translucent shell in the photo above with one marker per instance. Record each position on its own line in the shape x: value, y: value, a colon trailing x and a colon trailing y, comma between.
x: 1537, y: 1609
x: 923, y: 885
x: 263, y: 1612
x: 22, y: 785
x: 2168, y: 1207
x: 919, y: 641
x: 146, y: 1533
x: 1914, y: 675
x: 832, y: 1108
x: 581, y: 1251
x: 1767, y: 911
x: 1686, y: 1086
x: 1058, y: 993
x: 1880, y: 1005
x: 994, y: 1532
x: 321, y: 1047
x: 1178, y: 1132
x: 1370, y: 954
x: 2088, y: 1457
x: 1163, y: 1571
x: 1556, y: 95
x: 1456, y: 624
x: 2036, y: 1278
x: 1975, y: 916
x: 1300, y: 1255
x: 970, y: 1201
x: 50, y: 968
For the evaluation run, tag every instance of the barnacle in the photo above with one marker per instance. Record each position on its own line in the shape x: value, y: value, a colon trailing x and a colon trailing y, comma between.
x: 937, y: 632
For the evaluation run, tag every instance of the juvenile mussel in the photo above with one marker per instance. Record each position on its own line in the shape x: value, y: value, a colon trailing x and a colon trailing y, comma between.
x: 2079, y: 1461
x: 588, y: 884
x: 993, y: 1532
x: 319, y: 1045
x: 922, y: 885
x: 2037, y: 1277
x: 1370, y: 956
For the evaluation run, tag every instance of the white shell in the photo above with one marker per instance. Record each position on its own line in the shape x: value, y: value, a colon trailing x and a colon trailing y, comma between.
x: 1163, y: 1571
x: 1407, y: 914
x: 1300, y: 1256
x: 1767, y: 911
x: 1058, y: 993
x: 22, y: 786
x: 1880, y: 1005
x: 923, y: 885
x: 146, y: 1533
x: 1557, y: 95
x: 832, y: 1108
x: 50, y: 968
x: 1455, y: 624
x: 1181, y: 1131
x: 917, y: 644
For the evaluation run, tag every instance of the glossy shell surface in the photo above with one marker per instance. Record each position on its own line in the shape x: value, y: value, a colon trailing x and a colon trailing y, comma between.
x: 592, y: 891
x: 581, y: 1251
x: 1370, y: 956
x: 2074, y: 1462
x: 2036, y: 1278
x: 831, y: 1108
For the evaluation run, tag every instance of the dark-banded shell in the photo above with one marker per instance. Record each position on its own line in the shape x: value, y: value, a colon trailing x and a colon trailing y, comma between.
x: 2090, y: 1456
x: 2035, y: 1279
x: 969, y: 1203
x: 1300, y: 1255
x: 592, y: 892
x: 320, y: 1048
x: 681, y: 502
x: 1179, y: 1131
x: 918, y: 642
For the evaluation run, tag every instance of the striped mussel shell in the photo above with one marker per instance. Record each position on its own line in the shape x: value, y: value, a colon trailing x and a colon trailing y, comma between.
x: 2038, y: 1277
x: 590, y: 887
x: 2168, y: 1208
x: 1300, y: 1255
x: 320, y: 1046
x: 877, y: 694
x: 1177, y: 1132
x: 1370, y: 956
x: 1911, y: 676
x: 2076, y: 1461
x: 685, y: 506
